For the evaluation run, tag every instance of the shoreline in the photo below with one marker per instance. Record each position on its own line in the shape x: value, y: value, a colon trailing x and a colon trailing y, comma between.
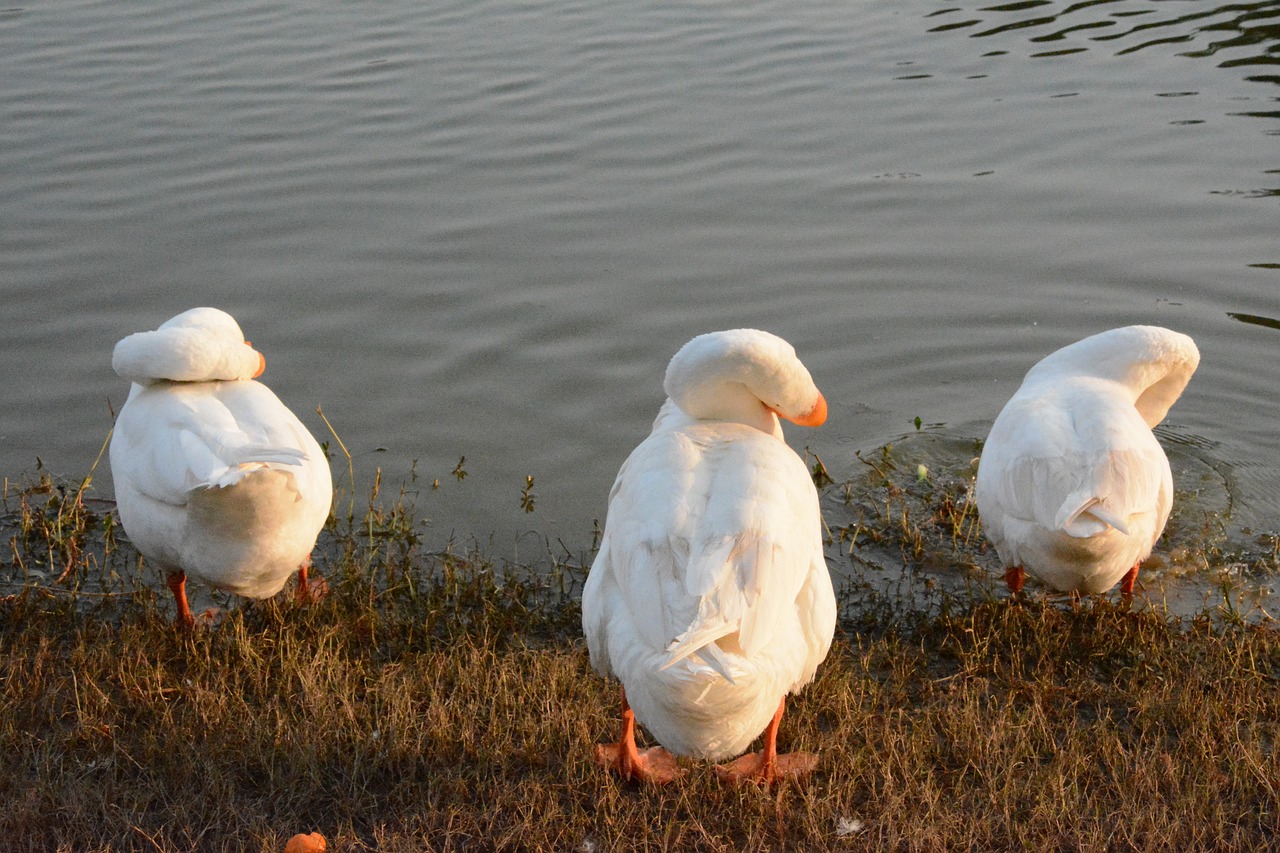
x: 442, y: 700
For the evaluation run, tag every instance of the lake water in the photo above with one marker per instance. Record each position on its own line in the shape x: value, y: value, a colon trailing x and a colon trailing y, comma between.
x: 482, y: 228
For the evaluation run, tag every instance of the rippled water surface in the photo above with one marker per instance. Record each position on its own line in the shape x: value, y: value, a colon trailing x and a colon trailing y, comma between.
x: 481, y: 228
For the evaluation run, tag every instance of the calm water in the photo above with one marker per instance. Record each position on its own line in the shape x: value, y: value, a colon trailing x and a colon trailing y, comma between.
x: 481, y: 228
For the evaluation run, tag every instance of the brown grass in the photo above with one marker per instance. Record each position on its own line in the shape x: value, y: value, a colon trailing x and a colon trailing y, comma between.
x: 441, y: 701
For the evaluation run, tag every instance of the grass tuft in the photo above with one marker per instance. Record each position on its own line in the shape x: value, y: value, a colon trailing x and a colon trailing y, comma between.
x: 442, y: 700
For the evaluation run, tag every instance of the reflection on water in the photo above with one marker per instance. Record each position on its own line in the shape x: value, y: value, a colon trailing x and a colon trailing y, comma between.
x: 481, y: 227
x: 1246, y: 34
x: 1255, y: 320
x: 1236, y: 36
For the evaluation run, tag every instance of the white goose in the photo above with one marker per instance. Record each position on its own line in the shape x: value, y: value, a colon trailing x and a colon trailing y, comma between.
x: 1072, y: 486
x: 214, y: 476
x: 710, y: 598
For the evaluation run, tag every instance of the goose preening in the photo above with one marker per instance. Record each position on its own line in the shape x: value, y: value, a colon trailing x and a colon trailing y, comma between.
x: 710, y: 598
x: 1072, y: 485
x: 214, y: 477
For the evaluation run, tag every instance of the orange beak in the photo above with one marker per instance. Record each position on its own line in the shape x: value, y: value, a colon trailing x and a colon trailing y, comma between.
x: 816, y: 416
x: 262, y: 361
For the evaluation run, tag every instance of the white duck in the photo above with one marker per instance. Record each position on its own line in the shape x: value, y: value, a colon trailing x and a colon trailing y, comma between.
x: 1072, y: 486
x: 710, y: 598
x: 214, y: 476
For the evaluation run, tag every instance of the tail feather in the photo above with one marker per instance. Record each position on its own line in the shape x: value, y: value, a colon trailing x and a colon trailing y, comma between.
x: 694, y: 638
x: 1103, y: 513
x: 233, y: 474
x: 714, y: 657
x: 1085, y: 515
x: 700, y: 640
x: 220, y: 465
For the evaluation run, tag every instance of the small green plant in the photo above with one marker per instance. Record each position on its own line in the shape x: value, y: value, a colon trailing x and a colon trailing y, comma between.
x: 351, y: 469
x: 527, y: 497
x: 818, y: 471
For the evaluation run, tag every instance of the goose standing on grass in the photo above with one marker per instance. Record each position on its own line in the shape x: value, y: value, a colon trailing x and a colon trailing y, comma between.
x: 710, y: 598
x: 215, y: 478
x: 1072, y: 485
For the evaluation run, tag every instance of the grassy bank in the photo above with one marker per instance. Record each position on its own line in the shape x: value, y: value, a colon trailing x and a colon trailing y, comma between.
x: 437, y: 700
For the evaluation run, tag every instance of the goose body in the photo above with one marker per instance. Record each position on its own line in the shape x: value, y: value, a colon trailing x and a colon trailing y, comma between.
x: 710, y: 598
x: 215, y: 478
x: 1072, y: 485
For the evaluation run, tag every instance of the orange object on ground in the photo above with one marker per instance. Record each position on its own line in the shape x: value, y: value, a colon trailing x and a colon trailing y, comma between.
x: 313, y: 843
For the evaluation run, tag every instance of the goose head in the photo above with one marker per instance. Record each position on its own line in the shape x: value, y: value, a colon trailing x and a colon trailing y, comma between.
x: 200, y: 345
x: 745, y: 376
x: 1151, y: 363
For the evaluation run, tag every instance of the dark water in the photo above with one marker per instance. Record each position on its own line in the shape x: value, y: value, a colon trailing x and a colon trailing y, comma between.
x: 482, y: 228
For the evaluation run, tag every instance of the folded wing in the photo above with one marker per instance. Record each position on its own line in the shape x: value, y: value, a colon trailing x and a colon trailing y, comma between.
x: 712, y: 535
x: 180, y: 442
x: 1078, y: 474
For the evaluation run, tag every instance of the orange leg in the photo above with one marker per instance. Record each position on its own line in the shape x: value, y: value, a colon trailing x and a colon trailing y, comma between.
x: 310, y: 589
x: 177, y: 582
x: 1127, y: 582
x: 1014, y: 578
x: 766, y: 765
x: 655, y: 765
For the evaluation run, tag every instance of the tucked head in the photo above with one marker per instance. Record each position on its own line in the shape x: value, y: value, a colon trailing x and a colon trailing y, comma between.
x: 743, y: 375
x: 199, y: 345
x: 1153, y: 363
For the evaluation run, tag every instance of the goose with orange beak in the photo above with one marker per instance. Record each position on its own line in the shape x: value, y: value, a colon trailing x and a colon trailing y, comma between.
x: 215, y: 478
x: 710, y: 598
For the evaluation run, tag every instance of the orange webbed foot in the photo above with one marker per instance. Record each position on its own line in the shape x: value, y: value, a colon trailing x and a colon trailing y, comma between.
x: 652, y: 766
x: 1015, y: 577
x: 754, y: 767
x: 210, y: 617
x: 311, y: 590
x: 311, y: 587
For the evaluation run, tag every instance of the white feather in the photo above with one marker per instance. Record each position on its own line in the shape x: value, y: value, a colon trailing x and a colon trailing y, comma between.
x: 215, y: 478
x: 710, y: 597
x: 1072, y: 484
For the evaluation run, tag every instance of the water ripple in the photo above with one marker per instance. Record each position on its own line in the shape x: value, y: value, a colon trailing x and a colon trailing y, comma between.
x: 483, y: 226
x: 1230, y: 27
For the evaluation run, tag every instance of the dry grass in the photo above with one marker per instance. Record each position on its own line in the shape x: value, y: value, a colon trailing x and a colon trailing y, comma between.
x: 438, y: 701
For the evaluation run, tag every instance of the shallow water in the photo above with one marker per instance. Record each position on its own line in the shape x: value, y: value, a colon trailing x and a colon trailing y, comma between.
x: 482, y: 228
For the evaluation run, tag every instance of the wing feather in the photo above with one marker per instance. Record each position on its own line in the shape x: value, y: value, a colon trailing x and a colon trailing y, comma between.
x: 1077, y: 469
x: 713, y: 530
x: 178, y: 441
